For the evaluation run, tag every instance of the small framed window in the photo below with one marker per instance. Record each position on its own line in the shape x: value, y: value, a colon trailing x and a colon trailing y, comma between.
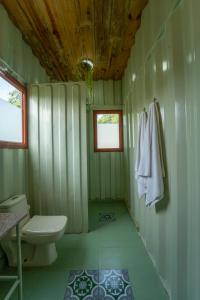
x: 108, y: 130
x: 13, y: 119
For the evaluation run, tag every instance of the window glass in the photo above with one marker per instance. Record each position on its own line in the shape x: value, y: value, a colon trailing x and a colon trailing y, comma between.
x: 12, y: 118
x: 108, y: 130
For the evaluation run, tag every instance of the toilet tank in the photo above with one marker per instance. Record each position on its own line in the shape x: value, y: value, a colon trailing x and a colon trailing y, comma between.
x: 15, y: 204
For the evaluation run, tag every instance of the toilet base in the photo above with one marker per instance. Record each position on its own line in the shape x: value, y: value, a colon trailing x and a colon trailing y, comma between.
x: 43, y: 255
x: 32, y: 255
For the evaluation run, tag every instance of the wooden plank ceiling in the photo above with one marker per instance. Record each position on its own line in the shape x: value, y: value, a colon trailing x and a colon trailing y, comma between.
x: 62, y: 32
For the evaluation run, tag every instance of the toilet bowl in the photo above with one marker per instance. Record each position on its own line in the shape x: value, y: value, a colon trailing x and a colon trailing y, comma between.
x: 38, y: 235
x: 44, y: 229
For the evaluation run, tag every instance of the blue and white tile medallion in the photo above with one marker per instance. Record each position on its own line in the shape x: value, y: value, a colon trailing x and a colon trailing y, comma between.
x: 99, y: 285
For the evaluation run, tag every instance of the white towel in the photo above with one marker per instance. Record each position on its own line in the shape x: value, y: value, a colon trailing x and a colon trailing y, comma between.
x: 151, y: 164
x: 141, y: 181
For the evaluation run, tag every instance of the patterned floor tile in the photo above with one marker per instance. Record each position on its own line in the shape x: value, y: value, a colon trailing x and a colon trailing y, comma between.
x: 106, y: 217
x: 115, y: 284
x: 99, y: 285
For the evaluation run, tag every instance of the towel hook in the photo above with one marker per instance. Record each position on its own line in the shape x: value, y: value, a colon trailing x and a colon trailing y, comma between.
x: 154, y: 99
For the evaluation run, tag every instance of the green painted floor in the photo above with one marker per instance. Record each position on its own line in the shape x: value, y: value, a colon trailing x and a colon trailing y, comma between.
x: 114, y: 245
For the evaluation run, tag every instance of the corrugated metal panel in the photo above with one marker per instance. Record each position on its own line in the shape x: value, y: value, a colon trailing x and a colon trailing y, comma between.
x: 106, y: 170
x: 13, y: 166
x: 58, y: 152
x: 17, y: 56
x: 169, y: 68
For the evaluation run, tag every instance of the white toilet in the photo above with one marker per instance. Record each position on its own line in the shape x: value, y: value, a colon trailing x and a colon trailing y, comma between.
x: 38, y: 235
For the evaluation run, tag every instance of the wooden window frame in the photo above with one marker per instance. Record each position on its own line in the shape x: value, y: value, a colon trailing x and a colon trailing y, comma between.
x: 113, y: 111
x: 23, y: 90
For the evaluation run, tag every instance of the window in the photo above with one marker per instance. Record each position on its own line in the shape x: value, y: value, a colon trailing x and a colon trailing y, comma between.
x: 13, y: 127
x: 108, y: 135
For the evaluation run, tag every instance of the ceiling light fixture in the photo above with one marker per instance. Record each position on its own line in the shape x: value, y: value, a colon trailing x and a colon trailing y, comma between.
x: 85, y: 71
x: 87, y: 63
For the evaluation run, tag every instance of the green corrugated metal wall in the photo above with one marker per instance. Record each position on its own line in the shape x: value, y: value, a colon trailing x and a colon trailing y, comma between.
x: 106, y: 170
x: 17, y: 56
x: 58, y: 152
x: 166, y: 63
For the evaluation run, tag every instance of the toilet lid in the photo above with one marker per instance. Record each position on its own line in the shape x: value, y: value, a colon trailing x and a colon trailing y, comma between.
x: 44, y: 225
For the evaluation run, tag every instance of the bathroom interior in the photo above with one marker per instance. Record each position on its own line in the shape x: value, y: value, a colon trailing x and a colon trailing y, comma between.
x: 97, y: 81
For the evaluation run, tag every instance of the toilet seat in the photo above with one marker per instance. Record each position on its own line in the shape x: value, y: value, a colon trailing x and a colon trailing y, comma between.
x: 44, y: 225
x: 43, y: 229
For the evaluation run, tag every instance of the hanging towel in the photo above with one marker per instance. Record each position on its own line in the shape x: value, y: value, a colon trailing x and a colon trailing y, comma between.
x: 141, y: 181
x: 151, y: 164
